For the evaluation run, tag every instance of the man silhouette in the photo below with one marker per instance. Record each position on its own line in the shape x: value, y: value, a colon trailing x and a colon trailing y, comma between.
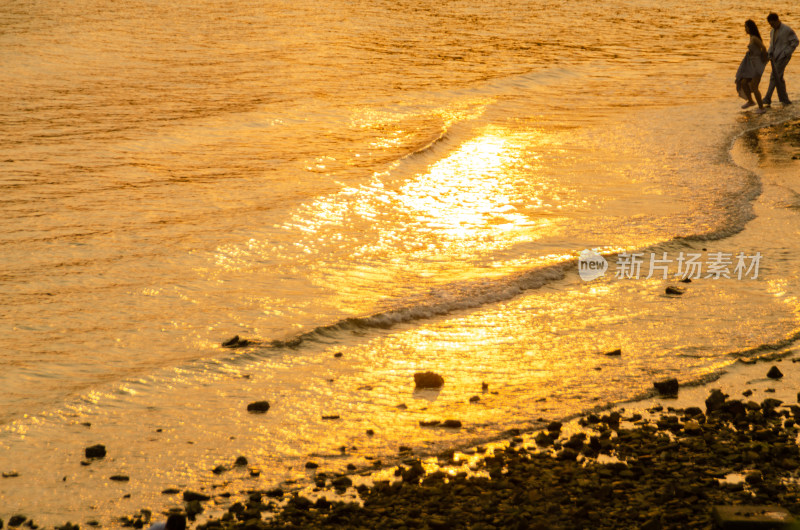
x: 782, y: 42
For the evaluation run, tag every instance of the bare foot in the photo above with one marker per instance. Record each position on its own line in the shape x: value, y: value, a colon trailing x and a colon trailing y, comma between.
x: 748, y: 104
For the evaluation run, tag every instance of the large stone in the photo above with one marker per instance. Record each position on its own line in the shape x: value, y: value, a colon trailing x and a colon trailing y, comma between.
x: 16, y: 520
x: 95, y: 451
x: 715, y: 401
x: 190, y: 496
x: 192, y: 509
x: 428, y: 380
x: 774, y: 373
x: 667, y: 387
x: 258, y: 406
x: 341, y: 483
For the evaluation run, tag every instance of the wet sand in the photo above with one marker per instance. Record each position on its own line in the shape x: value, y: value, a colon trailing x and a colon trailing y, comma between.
x: 661, y: 462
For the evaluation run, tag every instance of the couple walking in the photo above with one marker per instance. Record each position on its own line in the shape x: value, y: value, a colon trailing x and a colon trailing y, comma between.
x: 782, y: 42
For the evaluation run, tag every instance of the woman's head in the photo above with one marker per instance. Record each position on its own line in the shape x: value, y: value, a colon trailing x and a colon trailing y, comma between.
x: 751, y: 28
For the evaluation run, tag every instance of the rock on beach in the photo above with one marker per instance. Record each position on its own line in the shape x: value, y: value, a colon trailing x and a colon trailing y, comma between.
x: 258, y: 406
x: 667, y: 387
x: 774, y: 373
x: 428, y: 380
x: 95, y: 451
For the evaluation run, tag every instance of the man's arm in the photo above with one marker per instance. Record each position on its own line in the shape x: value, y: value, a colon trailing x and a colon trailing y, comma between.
x: 791, y: 40
x: 771, y: 40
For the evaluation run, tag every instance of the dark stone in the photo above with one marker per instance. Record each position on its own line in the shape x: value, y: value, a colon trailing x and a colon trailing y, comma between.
x: 220, y: 469
x: 451, y: 424
x: 413, y: 473
x: 301, y: 503
x: 614, y: 353
x: 567, y: 454
x: 751, y: 517
x: 774, y: 373
x: 240, y: 461
x: 258, y: 407
x: 170, y: 491
x: 370, y: 432
x: 235, y: 342
x: 715, y: 401
x: 667, y: 387
x: 734, y: 407
x: 331, y: 417
x: 341, y: 483
x: 193, y: 508
x: 189, y: 496
x: 428, y: 380
x: 311, y: 465
x: 554, y: 426
x: 16, y: 520
x: 671, y: 290
x: 95, y: 451
x: 429, y: 423
x: 274, y: 493
x: 338, y: 354
x: 575, y: 441
x: 119, y: 478
x: 686, y: 280
x: 10, y: 474
x: 474, y: 399
x: 770, y: 403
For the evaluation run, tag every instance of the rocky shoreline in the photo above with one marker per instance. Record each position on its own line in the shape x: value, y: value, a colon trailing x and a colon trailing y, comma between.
x: 659, y: 467
x: 669, y: 471
x: 662, y: 463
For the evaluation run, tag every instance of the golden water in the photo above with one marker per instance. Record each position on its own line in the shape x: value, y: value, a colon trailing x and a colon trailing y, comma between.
x: 406, y: 183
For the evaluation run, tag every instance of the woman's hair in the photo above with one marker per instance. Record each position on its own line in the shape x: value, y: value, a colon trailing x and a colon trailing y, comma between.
x: 751, y: 28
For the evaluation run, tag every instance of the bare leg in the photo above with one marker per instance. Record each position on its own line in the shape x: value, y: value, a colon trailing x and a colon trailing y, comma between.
x: 754, y: 90
x: 749, y: 102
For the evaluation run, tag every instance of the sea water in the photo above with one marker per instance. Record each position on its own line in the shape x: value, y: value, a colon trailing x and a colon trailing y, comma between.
x: 409, y: 184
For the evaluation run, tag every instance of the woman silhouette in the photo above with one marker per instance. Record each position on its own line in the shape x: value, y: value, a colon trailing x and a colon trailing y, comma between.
x: 752, y: 66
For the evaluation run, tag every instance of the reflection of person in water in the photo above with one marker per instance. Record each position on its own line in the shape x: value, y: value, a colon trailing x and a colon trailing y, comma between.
x: 748, y: 76
x: 782, y: 42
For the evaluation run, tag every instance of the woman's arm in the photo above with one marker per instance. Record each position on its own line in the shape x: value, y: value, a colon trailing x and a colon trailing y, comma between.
x: 758, y: 42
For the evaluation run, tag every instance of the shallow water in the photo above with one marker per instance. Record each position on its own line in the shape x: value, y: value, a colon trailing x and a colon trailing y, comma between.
x: 408, y: 184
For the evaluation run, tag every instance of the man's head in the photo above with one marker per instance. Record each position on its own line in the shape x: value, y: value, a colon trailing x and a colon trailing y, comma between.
x: 774, y: 21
